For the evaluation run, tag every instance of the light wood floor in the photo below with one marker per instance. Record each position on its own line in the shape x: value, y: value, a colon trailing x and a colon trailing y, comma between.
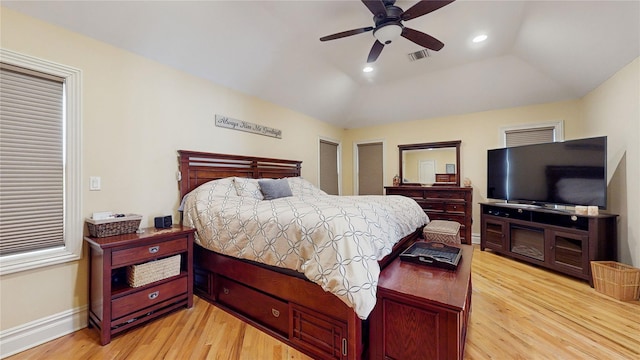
x: 518, y: 312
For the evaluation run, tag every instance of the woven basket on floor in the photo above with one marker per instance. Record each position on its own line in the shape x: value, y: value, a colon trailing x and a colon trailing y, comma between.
x: 616, y: 280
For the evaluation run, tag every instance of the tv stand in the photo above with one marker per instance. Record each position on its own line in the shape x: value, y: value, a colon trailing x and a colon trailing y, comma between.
x: 557, y: 240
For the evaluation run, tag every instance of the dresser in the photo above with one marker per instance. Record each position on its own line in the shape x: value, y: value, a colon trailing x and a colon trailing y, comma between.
x: 442, y: 203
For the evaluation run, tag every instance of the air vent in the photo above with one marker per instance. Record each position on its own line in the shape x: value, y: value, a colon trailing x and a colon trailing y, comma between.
x: 424, y: 53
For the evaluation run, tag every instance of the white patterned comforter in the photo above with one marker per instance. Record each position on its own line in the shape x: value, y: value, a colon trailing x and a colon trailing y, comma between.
x: 335, y: 241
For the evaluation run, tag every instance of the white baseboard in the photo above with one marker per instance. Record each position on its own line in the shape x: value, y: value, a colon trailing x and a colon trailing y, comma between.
x: 475, y: 238
x: 37, y: 332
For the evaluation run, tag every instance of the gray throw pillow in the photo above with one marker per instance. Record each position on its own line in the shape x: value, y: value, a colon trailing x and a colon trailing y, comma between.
x: 275, y: 189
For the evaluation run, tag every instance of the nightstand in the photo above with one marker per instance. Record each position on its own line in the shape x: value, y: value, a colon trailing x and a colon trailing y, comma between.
x: 115, y: 306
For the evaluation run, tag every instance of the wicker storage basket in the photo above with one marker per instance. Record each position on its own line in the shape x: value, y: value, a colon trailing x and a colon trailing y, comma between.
x: 143, y: 274
x: 616, y: 280
x: 116, y: 226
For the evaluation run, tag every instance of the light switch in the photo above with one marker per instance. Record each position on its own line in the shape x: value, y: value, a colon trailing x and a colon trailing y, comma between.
x: 94, y: 183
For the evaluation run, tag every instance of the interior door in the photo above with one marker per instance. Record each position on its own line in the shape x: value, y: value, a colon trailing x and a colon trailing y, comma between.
x: 427, y: 171
x: 369, y: 171
x: 329, y: 167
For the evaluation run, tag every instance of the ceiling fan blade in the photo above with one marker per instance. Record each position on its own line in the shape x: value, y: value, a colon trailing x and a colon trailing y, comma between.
x: 422, y: 39
x: 376, y: 49
x: 346, y: 33
x: 423, y: 7
x: 376, y: 7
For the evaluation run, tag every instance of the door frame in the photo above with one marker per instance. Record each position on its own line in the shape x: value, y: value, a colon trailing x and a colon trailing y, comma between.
x: 339, y: 151
x: 356, y: 170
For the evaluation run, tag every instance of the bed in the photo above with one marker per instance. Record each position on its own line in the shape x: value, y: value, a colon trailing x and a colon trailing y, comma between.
x: 308, y: 304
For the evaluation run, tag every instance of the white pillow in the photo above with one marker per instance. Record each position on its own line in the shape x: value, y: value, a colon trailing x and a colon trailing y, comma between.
x: 248, y: 187
x: 302, y: 187
x: 220, y: 187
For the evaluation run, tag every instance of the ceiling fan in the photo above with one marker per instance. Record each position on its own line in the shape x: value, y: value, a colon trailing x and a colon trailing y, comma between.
x: 388, y: 20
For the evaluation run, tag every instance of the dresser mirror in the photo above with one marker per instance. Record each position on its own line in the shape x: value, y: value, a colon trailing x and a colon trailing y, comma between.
x: 430, y: 164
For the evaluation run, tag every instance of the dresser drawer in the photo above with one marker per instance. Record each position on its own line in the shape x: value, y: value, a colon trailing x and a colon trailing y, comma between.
x: 432, y: 205
x: 147, y: 297
x: 446, y: 216
x: 412, y: 193
x: 445, y: 194
x: 453, y: 207
x: 148, y: 252
x: 265, y: 309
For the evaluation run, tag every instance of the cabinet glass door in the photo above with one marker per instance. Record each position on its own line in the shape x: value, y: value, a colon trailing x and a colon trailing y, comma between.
x: 569, y: 250
x: 494, y: 234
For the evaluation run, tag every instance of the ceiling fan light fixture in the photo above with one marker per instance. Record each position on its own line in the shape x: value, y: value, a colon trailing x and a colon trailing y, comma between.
x: 387, y: 33
x: 367, y: 69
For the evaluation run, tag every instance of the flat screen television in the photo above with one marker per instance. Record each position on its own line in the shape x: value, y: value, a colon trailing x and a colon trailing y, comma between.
x: 570, y: 173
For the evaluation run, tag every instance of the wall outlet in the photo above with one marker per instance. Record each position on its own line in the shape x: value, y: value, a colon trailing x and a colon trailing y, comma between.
x: 94, y: 183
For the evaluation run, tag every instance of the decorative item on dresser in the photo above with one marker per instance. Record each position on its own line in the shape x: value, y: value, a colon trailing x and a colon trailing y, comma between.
x: 120, y: 297
x: 281, y: 302
x: 442, y: 203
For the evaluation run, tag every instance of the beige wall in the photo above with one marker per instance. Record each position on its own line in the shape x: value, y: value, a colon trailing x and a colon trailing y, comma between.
x: 613, y: 109
x: 136, y: 114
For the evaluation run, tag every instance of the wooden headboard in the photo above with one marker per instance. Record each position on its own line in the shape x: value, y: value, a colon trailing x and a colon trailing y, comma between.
x: 197, y: 168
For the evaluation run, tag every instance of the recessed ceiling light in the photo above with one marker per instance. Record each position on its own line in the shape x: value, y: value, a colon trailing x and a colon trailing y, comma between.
x: 367, y: 69
x: 480, y: 38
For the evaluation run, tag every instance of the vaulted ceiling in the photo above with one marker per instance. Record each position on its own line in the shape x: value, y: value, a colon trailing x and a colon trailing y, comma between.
x: 536, y: 51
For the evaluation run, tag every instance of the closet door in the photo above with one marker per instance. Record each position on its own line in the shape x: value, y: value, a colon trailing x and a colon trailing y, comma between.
x: 329, y: 167
x: 369, y: 171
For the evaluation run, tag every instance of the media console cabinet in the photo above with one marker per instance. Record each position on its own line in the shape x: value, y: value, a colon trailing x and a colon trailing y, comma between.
x: 559, y: 240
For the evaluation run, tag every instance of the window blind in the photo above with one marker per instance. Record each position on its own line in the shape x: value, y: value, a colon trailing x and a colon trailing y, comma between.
x: 529, y: 136
x: 31, y: 161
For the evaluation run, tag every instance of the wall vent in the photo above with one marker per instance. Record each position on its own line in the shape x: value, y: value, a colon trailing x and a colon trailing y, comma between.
x: 424, y: 53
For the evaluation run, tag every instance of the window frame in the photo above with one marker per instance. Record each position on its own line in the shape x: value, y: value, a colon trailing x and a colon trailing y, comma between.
x: 73, y: 222
x: 558, y: 130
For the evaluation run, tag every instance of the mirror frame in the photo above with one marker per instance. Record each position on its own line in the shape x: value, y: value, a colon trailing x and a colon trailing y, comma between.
x: 432, y: 145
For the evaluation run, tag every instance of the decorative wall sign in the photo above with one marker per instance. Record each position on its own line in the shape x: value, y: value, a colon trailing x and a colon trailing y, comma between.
x: 235, y: 124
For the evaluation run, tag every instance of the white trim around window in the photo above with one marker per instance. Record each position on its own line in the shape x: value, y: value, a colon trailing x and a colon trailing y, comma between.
x: 73, y: 222
x: 557, y: 126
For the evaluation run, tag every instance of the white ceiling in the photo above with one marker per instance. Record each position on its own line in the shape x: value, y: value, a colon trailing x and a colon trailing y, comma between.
x: 537, y: 51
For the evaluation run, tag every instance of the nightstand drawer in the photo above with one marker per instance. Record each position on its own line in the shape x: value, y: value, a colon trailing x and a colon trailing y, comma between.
x: 148, y: 252
x: 147, y: 297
